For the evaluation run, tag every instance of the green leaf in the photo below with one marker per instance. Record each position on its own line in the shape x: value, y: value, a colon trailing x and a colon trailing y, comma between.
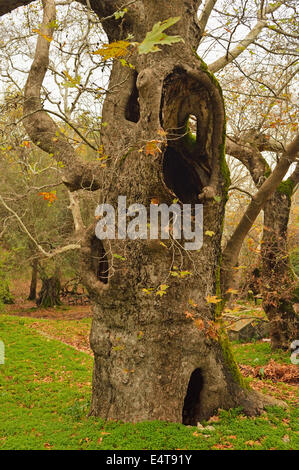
x: 115, y: 255
x: 120, y: 14
x: 156, y: 36
x: 210, y: 233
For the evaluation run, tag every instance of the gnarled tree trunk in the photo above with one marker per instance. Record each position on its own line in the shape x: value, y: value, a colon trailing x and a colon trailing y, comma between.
x: 151, y: 361
x: 49, y: 295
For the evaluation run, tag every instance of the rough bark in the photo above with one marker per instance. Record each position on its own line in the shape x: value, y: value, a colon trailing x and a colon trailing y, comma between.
x: 49, y: 295
x: 151, y: 362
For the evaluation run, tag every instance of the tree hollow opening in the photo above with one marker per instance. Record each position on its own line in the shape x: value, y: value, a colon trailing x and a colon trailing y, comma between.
x: 180, y: 177
x: 191, y: 408
x: 132, y: 111
x: 99, y: 260
x: 187, y: 116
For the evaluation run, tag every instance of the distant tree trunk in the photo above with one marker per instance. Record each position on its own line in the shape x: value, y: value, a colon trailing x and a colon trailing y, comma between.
x: 33, y: 284
x: 279, y: 287
x: 49, y: 295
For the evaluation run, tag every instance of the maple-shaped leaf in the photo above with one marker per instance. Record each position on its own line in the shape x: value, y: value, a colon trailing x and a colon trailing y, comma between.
x: 49, y: 196
x: 212, y: 299
x: 232, y: 291
x: 156, y: 37
x: 212, y: 333
x: 199, y: 324
x: 188, y: 314
x: 162, y: 290
x: 114, y: 50
x: 151, y: 147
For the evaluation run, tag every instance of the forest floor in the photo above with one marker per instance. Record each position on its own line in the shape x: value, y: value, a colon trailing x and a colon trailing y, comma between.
x: 45, y: 387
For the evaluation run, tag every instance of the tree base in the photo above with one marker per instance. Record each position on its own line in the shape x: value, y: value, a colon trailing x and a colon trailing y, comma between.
x: 158, y: 375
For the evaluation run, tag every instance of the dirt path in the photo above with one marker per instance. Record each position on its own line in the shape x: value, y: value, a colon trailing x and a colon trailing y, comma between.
x: 22, y: 307
x: 29, y: 309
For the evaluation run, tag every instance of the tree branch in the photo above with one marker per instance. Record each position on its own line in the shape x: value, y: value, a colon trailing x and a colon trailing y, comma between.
x: 251, y: 158
x: 102, y: 8
x: 230, y: 56
x: 40, y: 127
x: 236, y: 188
x: 205, y: 14
x: 57, y: 251
x: 76, y: 212
x: 232, y: 249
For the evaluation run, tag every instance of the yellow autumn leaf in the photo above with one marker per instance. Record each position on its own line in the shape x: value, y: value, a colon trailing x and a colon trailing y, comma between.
x: 209, y: 233
x: 151, y: 147
x: 146, y: 291
x: 114, y: 50
x: 232, y: 291
x: 212, y: 299
x: 199, y: 324
x: 43, y: 35
x: 192, y: 303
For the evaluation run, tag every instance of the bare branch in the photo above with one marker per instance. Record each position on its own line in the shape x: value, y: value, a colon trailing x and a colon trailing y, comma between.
x: 251, y: 158
x: 76, y: 212
x: 46, y: 254
x: 232, y: 249
x: 41, y: 128
x: 205, y: 14
x: 231, y: 55
x: 236, y: 188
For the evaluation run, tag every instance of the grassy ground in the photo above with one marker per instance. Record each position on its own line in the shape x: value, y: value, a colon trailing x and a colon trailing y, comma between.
x: 45, y: 388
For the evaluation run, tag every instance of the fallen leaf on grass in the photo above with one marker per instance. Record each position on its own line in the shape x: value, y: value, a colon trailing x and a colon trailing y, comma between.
x: 288, y: 373
x: 214, y: 419
x: 253, y: 443
x: 222, y: 446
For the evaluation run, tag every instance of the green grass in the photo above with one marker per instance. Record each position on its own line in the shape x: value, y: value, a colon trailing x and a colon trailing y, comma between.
x: 258, y: 354
x: 45, y: 389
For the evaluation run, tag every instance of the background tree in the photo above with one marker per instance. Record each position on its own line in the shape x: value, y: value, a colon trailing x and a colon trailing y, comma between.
x: 259, y: 133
